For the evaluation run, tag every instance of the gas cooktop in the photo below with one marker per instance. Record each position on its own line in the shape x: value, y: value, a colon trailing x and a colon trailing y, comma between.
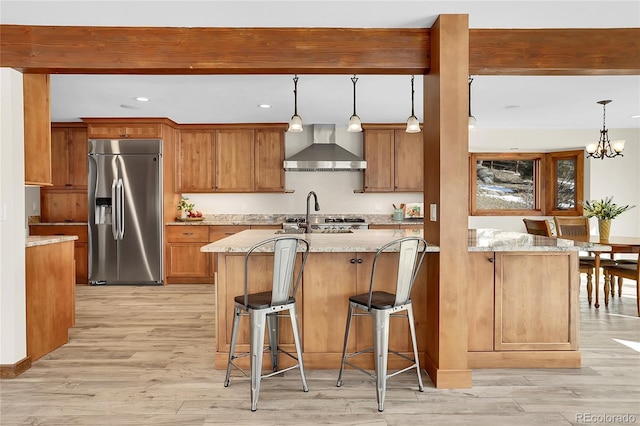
x: 327, y: 220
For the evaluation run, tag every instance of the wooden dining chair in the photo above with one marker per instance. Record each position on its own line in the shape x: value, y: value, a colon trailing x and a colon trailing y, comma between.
x: 537, y: 227
x: 579, y: 226
x: 625, y: 270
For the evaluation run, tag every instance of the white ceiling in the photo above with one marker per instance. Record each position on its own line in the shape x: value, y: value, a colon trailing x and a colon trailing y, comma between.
x: 497, y: 101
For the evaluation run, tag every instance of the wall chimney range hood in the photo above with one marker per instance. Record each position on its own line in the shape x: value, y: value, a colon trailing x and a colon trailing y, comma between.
x: 324, y: 155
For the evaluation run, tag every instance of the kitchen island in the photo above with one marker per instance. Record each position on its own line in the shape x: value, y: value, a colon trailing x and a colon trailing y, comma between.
x: 522, y: 297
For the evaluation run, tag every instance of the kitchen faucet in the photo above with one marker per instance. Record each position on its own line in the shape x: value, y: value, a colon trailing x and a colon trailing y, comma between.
x: 306, y: 225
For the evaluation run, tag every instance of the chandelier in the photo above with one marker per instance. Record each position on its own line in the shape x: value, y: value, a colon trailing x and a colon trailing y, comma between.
x: 605, y: 148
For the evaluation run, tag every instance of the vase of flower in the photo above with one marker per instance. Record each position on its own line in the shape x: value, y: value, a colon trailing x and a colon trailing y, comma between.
x: 604, y: 229
x: 605, y: 211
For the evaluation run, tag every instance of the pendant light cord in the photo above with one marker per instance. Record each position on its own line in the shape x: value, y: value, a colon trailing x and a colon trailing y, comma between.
x: 354, y: 79
x: 295, y: 95
x: 412, y: 96
x: 470, y: 81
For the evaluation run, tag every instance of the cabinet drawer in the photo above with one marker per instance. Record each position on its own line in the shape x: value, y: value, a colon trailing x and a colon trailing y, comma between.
x: 79, y: 230
x: 219, y: 232
x: 187, y: 233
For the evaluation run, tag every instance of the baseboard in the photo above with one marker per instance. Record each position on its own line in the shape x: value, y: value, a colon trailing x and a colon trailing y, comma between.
x: 525, y: 359
x: 10, y: 371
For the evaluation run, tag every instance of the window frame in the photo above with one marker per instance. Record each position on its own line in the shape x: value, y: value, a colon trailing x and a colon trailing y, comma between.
x: 544, y: 190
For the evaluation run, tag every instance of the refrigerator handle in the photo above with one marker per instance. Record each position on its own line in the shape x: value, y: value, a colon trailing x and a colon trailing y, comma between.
x: 121, y: 209
x: 114, y: 200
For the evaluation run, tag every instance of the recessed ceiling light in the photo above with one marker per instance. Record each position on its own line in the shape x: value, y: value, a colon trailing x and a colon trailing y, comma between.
x: 512, y: 106
x: 142, y: 99
x: 264, y: 106
x: 127, y: 106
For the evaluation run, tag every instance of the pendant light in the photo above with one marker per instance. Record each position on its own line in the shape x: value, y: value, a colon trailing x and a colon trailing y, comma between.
x: 355, y: 125
x: 413, y: 125
x: 295, y: 124
x: 472, y: 119
x: 605, y: 148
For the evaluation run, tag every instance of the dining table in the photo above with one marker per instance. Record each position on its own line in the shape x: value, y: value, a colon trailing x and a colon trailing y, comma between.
x: 611, y: 245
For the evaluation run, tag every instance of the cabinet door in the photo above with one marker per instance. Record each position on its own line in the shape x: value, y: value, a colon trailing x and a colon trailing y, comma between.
x: 60, y: 157
x: 63, y: 206
x: 378, y: 151
x: 480, y: 301
x: 269, y: 158
x: 536, y: 301
x: 78, y: 151
x: 81, y: 255
x: 81, y: 248
x: 195, y: 161
x: 329, y: 280
x: 409, y: 162
x: 234, y: 164
x: 125, y: 130
x: 184, y: 260
x: 37, y: 129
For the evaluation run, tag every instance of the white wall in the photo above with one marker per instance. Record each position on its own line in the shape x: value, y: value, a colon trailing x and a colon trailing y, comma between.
x: 618, y: 177
x: 13, y: 342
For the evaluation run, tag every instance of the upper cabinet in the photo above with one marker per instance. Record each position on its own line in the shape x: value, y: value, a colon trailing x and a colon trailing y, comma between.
x: 131, y: 129
x: 37, y: 130
x: 217, y: 158
x: 69, y: 149
x: 394, y: 159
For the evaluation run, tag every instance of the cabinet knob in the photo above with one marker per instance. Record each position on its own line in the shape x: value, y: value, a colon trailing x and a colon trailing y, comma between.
x: 359, y: 260
x: 229, y: 233
x: 187, y: 233
x: 352, y: 261
x: 491, y: 259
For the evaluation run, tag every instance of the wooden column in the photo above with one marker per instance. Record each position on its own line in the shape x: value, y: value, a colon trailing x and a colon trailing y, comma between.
x: 446, y: 186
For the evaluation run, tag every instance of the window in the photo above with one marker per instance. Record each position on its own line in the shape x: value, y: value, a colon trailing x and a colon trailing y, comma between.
x: 526, y: 184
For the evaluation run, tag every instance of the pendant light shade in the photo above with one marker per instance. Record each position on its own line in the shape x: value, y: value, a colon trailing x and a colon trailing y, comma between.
x: 295, y: 124
x: 413, y: 125
x: 472, y: 119
x: 355, y: 125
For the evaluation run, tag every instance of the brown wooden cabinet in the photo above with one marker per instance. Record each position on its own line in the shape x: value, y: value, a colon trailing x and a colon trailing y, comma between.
x: 195, y: 157
x: 62, y: 205
x: 394, y: 159
x: 523, y: 310
x: 234, y: 160
x: 50, y: 297
x: 69, y: 149
x: 130, y: 129
x: 184, y: 263
x: 37, y: 130
x: 215, y: 158
x: 81, y: 245
x: 269, y: 158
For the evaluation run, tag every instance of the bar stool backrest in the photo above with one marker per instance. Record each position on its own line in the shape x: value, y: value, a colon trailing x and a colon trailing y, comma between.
x: 537, y: 227
x: 411, y: 253
x: 572, y: 226
x: 284, y: 262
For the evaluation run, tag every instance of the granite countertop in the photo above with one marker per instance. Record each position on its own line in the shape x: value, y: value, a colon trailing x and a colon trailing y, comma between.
x: 497, y: 240
x: 41, y: 240
x: 278, y: 219
x: 357, y: 241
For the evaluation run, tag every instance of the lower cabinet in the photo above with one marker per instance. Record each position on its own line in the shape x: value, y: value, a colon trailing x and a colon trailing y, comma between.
x: 184, y: 262
x: 81, y: 245
x: 523, y: 310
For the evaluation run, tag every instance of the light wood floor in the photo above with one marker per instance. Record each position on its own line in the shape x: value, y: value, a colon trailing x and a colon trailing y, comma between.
x: 144, y: 356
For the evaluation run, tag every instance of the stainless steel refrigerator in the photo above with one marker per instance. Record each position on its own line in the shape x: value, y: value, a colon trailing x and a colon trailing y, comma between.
x: 125, y: 211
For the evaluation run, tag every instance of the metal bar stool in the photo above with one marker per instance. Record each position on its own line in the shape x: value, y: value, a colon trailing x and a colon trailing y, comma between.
x: 381, y: 305
x: 267, y: 307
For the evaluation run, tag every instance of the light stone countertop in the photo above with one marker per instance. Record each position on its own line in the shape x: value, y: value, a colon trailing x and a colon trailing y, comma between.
x: 497, y: 240
x: 42, y: 240
x: 278, y: 219
x: 358, y: 241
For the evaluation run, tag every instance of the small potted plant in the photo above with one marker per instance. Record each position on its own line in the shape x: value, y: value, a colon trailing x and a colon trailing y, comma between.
x: 187, y: 209
x: 605, y: 210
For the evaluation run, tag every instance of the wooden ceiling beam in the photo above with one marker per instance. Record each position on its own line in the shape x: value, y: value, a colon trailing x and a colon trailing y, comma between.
x: 157, y: 50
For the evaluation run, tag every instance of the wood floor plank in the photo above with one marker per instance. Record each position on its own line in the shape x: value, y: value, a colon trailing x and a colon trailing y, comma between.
x: 145, y: 356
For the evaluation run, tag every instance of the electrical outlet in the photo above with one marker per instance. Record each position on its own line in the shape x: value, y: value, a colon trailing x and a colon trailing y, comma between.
x: 34, y: 207
x: 377, y: 207
x: 433, y: 212
x: 243, y: 207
